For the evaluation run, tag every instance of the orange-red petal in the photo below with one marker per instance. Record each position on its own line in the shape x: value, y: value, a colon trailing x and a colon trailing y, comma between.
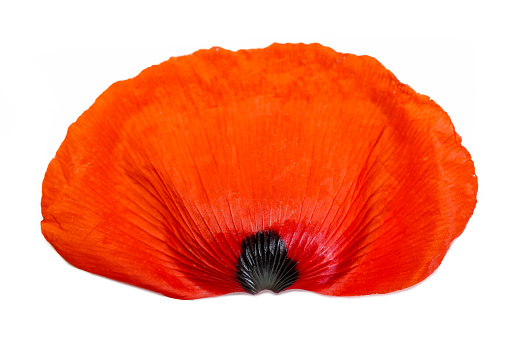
x: 159, y: 183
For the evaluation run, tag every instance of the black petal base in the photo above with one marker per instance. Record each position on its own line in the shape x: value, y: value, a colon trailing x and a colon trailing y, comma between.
x: 264, y: 264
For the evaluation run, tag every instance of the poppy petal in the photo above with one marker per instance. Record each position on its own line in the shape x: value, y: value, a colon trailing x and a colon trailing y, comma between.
x: 289, y: 167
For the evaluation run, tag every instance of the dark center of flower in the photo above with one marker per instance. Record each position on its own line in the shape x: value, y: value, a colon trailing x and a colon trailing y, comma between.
x: 264, y: 264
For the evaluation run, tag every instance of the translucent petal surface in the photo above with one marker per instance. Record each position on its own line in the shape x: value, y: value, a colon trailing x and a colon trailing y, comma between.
x: 160, y: 181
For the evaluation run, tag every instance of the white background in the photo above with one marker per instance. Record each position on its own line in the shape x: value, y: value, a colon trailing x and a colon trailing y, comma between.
x: 57, y: 57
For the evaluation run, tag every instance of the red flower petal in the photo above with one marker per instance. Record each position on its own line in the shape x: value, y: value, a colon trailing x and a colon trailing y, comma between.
x: 318, y: 168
